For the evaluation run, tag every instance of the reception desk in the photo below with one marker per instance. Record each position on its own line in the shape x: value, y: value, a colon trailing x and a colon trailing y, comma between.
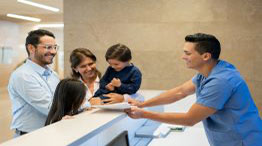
x: 98, y: 127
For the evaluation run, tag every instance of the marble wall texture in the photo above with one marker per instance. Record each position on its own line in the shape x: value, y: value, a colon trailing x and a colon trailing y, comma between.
x: 155, y: 31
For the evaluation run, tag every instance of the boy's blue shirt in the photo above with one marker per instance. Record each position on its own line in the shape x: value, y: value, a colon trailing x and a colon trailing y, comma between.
x: 130, y: 78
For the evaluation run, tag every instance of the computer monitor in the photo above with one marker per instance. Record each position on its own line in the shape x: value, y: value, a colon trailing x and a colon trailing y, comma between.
x: 120, y: 140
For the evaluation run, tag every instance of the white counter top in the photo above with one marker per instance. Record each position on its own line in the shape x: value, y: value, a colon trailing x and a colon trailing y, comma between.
x: 192, y: 136
x: 97, y: 127
x: 84, y: 126
x: 65, y: 132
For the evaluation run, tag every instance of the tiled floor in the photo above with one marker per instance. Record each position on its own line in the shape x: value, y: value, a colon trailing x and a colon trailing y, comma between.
x: 5, y: 117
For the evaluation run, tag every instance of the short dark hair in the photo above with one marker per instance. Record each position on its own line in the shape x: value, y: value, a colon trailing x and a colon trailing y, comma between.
x: 77, y: 56
x: 205, y: 43
x: 119, y: 52
x: 34, y: 36
x: 69, y: 96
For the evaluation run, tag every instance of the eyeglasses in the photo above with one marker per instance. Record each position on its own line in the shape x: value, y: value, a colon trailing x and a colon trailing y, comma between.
x: 49, y: 47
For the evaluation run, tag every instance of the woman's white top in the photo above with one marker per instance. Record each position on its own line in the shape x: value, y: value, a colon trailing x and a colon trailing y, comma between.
x: 88, y: 92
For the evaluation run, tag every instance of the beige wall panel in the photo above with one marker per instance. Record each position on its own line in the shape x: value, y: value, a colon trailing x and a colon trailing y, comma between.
x: 155, y: 31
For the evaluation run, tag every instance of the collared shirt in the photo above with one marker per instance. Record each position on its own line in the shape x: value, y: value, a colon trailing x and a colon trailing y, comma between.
x: 89, y: 94
x: 31, y: 89
x: 236, y: 121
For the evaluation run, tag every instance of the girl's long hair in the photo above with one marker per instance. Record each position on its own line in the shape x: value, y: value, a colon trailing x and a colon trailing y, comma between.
x: 69, y: 96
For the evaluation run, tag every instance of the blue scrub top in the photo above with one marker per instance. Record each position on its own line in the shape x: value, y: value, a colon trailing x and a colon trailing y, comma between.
x: 237, y: 121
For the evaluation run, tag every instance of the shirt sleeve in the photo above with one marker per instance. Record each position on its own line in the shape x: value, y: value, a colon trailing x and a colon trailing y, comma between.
x: 215, y: 93
x: 33, y: 92
x: 102, y: 84
x: 134, y: 84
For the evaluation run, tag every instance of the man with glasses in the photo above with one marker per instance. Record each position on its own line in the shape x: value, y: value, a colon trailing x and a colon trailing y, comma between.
x: 32, y: 85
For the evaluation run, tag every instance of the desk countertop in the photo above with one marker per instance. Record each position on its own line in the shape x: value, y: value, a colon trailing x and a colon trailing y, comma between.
x: 90, y: 123
x: 192, y: 136
x: 66, y: 132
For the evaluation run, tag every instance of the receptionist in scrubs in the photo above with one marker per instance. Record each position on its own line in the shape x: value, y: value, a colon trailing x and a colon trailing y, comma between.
x: 224, y: 103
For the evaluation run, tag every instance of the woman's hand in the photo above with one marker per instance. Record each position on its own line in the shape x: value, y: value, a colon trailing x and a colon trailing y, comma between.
x: 95, y: 101
x: 113, y: 98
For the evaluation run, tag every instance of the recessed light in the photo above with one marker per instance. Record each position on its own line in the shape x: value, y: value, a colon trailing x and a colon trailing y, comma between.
x: 50, y: 25
x: 39, y: 5
x: 24, y: 17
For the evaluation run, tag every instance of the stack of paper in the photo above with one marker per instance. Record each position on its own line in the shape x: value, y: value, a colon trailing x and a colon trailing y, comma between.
x: 116, y: 106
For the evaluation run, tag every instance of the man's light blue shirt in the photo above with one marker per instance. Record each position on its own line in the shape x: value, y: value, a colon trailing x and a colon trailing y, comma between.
x: 31, y: 89
x: 236, y: 121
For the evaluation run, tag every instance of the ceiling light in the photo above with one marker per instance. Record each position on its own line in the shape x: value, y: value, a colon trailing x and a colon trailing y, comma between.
x: 49, y: 25
x: 24, y: 17
x: 39, y: 5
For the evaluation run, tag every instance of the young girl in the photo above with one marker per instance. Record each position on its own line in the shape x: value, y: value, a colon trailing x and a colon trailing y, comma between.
x: 121, y: 76
x: 69, y: 96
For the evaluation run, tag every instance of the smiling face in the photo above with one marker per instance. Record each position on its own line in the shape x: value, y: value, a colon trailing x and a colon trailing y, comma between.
x: 87, y: 68
x: 43, y: 53
x: 117, y: 65
x: 193, y: 59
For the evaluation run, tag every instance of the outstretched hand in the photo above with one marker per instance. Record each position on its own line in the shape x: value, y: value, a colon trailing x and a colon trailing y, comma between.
x: 135, y: 112
x: 134, y: 102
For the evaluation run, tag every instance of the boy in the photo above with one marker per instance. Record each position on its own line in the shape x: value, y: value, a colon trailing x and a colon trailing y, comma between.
x: 121, y: 76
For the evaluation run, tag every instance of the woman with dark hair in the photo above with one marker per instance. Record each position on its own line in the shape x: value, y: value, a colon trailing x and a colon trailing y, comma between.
x: 68, y: 98
x: 83, y: 65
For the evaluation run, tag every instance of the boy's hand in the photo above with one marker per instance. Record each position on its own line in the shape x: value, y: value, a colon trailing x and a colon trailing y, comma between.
x: 116, y: 82
x: 110, y: 87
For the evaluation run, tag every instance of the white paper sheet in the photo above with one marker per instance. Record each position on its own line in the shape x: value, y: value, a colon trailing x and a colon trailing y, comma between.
x: 116, y: 106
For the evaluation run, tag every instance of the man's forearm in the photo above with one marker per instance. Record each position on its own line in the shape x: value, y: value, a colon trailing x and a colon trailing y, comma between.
x: 167, y: 97
x: 171, y: 118
x: 196, y: 113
